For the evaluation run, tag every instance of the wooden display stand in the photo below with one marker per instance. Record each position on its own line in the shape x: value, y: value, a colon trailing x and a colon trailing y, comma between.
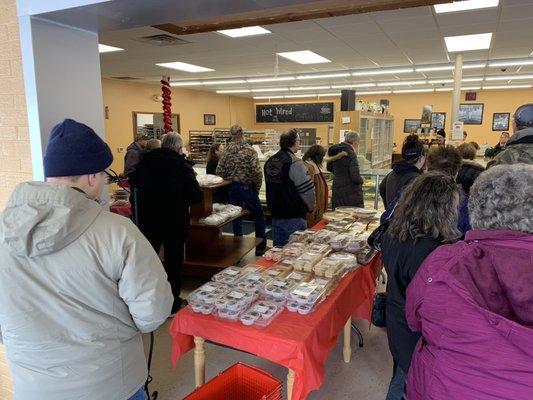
x: 207, y: 250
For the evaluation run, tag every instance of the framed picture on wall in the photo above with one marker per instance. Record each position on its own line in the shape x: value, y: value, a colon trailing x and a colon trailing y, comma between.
x: 471, y: 114
x: 411, y: 125
x: 500, y: 121
x: 210, y: 119
x: 438, y: 120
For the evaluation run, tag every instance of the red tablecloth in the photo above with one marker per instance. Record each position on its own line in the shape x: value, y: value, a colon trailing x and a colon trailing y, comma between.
x: 301, y: 343
x: 125, y: 210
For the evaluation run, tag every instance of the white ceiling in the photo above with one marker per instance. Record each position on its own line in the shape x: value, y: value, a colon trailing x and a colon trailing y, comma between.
x: 406, y: 37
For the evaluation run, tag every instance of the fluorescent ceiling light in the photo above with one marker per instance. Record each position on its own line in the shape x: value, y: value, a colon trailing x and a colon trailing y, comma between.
x: 507, y: 87
x: 267, y: 97
x: 474, y: 66
x: 401, y: 83
x: 184, y: 67
x: 471, y: 80
x: 328, y: 94
x: 437, y: 68
x: 246, y: 31
x: 413, y: 91
x: 335, y: 75
x: 510, y: 63
x: 310, y: 88
x: 283, y: 89
x: 480, y: 41
x: 272, y: 79
x: 224, y: 82
x: 352, y: 85
x: 507, y: 77
x: 376, y: 92
x: 465, y: 6
x: 186, y: 83
x: 471, y: 88
x: 304, y: 57
x: 434, y: 81
x: 104, y: 48
x: 383, y: 72
x: 444, y: 89
x: 234, y: 91
x: 299, y: 95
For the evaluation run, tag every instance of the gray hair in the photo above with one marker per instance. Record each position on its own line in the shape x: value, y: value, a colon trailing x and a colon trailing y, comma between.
x: 236, y: 130
x: 351, y: 137
x: 502, y: 198
x: 172, y: 140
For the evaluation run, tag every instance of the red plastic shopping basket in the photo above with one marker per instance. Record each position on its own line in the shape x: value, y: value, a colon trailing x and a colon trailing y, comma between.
x: 239, y: 382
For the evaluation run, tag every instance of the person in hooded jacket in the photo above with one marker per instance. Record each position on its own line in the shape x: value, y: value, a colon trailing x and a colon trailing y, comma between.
x: 519, y: 148
x: 469, y: 170
x: 404, y: 171
x: 78, y: 284
x: 166, y: 187
x: 347, y: 181
x: 472, y: 301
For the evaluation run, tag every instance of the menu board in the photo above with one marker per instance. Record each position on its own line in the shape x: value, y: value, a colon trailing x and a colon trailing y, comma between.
x: 304, y: 112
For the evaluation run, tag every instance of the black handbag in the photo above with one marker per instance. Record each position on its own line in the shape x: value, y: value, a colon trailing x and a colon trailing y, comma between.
x: 379, y: 314
x: 376, y: 237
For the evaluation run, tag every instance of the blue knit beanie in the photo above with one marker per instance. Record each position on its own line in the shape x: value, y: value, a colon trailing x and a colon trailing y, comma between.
x: 75, y: 149
x: 524, y: 116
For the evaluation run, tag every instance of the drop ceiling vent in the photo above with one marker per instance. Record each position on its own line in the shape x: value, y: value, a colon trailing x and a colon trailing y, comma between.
x: 162, y: 40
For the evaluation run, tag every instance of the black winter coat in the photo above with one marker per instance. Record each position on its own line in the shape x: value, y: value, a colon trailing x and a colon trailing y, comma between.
x: 166, y: 186
x: 401, y: 175
x: 468, y: 174
x: 347, y: 181
x: 402, y: 260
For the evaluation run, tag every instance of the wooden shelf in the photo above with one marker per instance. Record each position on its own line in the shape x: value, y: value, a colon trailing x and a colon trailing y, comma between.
x: 226, y: 251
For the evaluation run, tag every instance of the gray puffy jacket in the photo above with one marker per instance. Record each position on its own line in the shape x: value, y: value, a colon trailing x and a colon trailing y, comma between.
x: 78, y: 285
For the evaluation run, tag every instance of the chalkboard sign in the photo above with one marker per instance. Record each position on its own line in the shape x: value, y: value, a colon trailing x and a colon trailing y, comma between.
x: 305, y: 112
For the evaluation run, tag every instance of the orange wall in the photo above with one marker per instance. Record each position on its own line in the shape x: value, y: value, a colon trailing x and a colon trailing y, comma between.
x: 122, y: 98
x: 409, y: 106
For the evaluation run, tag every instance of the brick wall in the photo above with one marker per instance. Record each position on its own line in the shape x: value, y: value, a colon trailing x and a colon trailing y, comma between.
x: 15, y: 159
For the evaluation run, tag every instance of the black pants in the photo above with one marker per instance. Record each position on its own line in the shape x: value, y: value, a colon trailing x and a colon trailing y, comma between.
x: 174, y: 249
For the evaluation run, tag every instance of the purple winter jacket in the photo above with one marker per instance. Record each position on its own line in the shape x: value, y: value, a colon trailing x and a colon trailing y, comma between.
x: 473, y: 303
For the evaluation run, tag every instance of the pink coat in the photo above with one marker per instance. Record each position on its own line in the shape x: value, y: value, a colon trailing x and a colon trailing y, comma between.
x: 473, y: 303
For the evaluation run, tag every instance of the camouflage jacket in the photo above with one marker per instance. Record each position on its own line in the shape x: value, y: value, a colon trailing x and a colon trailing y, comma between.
x: 519, y: 149
x: 240, y: 163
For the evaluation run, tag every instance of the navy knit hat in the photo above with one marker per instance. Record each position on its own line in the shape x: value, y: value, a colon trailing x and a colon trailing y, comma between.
x: 75, y: 149
x: 524, y: 116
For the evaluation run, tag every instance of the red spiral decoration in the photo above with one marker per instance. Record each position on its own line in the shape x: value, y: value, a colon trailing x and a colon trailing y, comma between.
x: 167, y: 112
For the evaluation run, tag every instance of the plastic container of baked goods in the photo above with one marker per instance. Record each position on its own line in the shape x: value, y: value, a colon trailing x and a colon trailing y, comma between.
x: 354, y: 245
x: 307, y: 261
x: 339, y: 242
x: 328, y: 267
x: 207, y: 294
x: 297, y: 277
x: 320, y: 248
x: 253, y: 281
x: 278, y: 271
x: 274, y: 254
x: 294, y: 250
x: 324, y: 236
x: 365, y: 254
x: 349, y: 261
x: 278, y: 288
x: 228, y: 275
x: 298, y: 236
x: 307, y: 293
x: 230, y: 305
x: 261, y: 313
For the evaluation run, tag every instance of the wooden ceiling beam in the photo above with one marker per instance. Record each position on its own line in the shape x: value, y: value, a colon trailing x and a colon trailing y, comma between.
x: 301, y: 12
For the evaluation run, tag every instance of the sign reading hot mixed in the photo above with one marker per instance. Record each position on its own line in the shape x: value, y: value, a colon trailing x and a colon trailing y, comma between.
x: 304, y: 112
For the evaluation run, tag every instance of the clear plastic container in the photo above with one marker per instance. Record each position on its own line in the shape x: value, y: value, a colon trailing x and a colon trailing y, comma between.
x: 307, y: 261
x: 261, y: 313
x: 294, y: 250
x: 348, y: 260
x: 319, y: 248
x: 324, y: 236
x: 328, y: 267
x: 278, y: 271
x: 339, y: 242
x: 253, y: 281
x: 298, y: 236
x: 307, y: 293
x: 234, y: 300
x: 278, y: 288
x: 299, y: 276
x: 207, y: 294
x: 274, y: 254
x: 228, y: 275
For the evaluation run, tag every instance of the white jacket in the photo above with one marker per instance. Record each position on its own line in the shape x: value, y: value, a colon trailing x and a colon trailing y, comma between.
x: 78, y: 285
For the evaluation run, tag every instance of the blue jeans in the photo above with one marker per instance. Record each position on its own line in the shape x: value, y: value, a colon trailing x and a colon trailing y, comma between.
x: 283, y: 228
x: 397, y: 385
x: 246, y: 196
x: 140, y: 395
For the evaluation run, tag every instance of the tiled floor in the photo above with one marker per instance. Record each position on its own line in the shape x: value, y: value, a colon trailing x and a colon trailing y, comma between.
x: 365, y: 378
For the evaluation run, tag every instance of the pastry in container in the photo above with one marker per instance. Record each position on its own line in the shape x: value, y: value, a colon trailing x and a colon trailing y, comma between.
x: 278, y: 288
x: 279, y: 270
x: 228, y: 275
x: 307, y: 261
x: 297, y: 277
x: 261, y: 313
x: 320, y: 248
x: 274, y: 254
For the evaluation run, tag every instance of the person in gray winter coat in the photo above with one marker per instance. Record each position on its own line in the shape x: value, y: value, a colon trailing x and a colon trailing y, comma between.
x: 134, y: 153
x: 78, y: 284
x: 347, y: 181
